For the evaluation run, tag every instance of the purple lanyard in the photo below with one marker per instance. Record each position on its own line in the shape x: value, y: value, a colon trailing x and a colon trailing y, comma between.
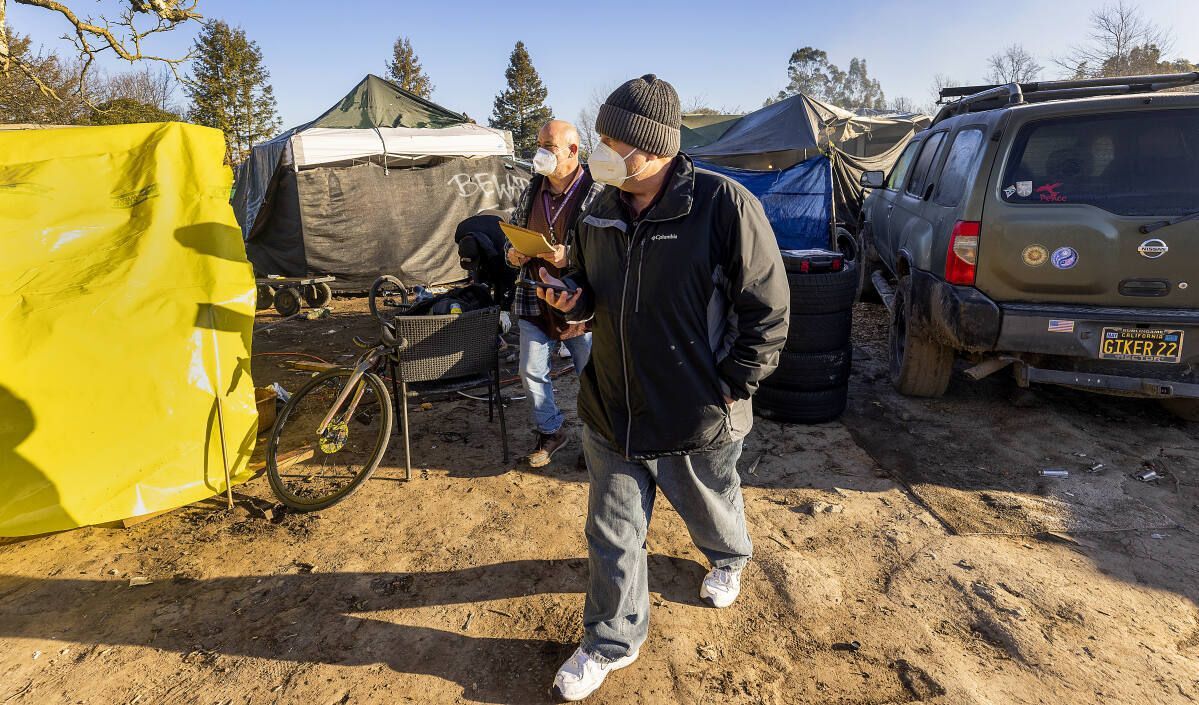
x: 552, y: 217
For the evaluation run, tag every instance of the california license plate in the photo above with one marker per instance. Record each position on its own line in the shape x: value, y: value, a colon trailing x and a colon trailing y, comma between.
x: 1141, y: 345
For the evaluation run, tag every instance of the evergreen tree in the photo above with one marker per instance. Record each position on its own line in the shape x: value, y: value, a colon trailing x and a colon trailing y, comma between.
x: 521, y: 109
x: 230, y: 90
x: 810, y: 72
x: 406, y: 71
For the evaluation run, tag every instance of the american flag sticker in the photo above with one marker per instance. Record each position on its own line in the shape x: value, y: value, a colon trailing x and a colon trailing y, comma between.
x: 1056, y: 326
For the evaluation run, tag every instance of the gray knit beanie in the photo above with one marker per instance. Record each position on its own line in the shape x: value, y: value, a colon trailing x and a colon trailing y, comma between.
x: 643, y: 113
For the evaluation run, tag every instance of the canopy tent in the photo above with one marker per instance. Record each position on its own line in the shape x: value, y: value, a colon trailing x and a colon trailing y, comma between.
x: 777, y: 150
x: 325, y: 146
x: 375, y: 185
x: 790, y: 131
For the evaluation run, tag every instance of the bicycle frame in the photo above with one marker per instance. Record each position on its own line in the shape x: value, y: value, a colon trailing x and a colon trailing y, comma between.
x: 366, y: 363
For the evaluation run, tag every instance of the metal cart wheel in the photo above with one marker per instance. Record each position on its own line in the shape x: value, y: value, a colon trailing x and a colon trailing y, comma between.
x: 266, y: 297
x: 317, y: 295
x: 287, y: 302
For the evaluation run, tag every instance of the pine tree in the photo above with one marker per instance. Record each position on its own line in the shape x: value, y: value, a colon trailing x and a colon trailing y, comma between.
x: 521, y: 109
x: 406, y: 71
x: 230, y: 90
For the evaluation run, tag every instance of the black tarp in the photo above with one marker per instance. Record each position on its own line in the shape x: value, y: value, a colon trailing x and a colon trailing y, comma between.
x: 362, y: 221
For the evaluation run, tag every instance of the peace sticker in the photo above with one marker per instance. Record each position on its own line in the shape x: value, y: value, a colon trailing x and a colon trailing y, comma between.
x: 1065, y: 257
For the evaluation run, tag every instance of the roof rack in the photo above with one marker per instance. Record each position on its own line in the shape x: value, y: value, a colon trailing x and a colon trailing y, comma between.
x: 975, y: 98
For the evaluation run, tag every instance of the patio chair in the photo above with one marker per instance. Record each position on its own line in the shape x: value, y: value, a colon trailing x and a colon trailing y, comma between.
x: 439, y: 354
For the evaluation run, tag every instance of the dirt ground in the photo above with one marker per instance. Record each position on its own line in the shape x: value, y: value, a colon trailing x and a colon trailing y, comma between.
x: 910, y: 553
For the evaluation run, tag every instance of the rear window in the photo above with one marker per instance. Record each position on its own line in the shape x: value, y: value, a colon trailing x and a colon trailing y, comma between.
x: 923, y: 163
x: 1137, y: 163
x: 960, y: 165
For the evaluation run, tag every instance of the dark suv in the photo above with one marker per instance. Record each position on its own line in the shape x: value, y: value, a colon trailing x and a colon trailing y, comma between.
x: 1051, y: 227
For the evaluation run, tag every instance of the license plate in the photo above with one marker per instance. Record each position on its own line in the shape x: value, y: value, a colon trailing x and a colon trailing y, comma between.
x: 1141, y: 345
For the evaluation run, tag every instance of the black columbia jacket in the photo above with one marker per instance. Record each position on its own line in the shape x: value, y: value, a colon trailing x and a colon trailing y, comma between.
x: 689, y: 303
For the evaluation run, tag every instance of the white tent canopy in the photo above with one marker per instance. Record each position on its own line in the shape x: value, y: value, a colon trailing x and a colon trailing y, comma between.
x: 324, y: 146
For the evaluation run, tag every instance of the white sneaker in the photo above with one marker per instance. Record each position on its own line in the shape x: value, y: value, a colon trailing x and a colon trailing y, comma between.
x: 720, y: 587
x: 582, y: 675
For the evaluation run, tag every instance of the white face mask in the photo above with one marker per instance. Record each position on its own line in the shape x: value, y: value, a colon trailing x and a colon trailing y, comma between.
x: 608, y: 167
x: 545, y: 162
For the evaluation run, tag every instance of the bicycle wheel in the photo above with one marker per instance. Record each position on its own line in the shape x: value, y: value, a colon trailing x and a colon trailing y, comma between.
x: 384, y: 287
x: 309, y: 470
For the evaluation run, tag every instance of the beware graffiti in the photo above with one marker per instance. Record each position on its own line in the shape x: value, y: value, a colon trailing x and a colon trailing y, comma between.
x: 506, y: 190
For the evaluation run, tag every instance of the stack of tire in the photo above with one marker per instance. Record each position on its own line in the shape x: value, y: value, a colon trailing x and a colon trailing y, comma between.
x: 811, y: 384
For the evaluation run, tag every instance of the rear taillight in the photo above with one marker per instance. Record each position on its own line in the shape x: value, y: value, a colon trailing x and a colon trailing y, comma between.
x: 961, y: 262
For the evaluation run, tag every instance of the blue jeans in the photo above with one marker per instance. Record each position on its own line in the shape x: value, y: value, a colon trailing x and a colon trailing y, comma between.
x: 704, y: 489
x: 536, y: 349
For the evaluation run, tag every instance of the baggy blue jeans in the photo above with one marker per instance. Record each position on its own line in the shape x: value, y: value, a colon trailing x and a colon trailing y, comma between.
x: 536, y: 349
x: 704, y: 489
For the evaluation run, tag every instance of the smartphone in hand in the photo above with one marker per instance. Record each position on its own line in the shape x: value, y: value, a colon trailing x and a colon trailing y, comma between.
x: 554, y: 287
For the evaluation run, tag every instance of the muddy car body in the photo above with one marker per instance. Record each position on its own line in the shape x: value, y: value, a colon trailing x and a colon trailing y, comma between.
x: 1055, y: 234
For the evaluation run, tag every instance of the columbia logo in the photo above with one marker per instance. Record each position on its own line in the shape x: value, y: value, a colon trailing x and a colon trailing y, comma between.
x: 665, y: 237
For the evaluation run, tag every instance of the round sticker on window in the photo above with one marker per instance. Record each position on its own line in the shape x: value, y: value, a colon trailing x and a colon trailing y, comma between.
x: 1065, y: 257
x: 1035, y: 255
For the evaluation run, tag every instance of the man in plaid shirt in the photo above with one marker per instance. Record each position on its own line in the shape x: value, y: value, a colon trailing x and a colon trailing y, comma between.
x: 551, y: 205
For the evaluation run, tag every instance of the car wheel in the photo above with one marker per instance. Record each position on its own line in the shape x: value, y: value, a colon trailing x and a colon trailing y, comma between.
x: 1185, y: 409
x: 920, y: 365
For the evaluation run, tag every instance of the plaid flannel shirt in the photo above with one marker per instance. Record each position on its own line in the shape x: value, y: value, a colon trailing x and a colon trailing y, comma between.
x: 526, y: 304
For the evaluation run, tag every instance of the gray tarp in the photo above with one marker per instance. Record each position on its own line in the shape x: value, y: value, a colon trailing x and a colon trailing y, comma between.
x: 794, y: 130
x: 362, y: 221
x: 783, y: 134
x: 359, y: 221
x: 374, y: 102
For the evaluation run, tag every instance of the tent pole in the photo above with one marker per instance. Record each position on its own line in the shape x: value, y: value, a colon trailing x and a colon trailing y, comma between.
x: 832, y: 198
x: 220, y: 409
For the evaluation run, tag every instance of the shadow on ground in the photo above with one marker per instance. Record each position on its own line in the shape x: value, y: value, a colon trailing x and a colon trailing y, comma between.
x: 306, y: 617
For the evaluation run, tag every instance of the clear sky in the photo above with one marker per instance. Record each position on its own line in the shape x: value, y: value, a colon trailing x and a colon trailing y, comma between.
x: 730, y: 54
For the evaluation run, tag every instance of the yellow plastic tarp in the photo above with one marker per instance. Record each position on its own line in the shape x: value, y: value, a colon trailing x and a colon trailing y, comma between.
x: 126, y: 311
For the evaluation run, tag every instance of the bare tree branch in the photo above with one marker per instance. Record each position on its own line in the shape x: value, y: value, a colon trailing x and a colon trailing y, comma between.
x: 1013, y: 65
x: 1118, y: 32
x: 942, y: 81
x: 123, y: 36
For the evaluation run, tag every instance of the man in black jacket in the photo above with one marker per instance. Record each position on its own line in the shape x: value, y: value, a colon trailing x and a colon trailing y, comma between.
x: 679, y: 272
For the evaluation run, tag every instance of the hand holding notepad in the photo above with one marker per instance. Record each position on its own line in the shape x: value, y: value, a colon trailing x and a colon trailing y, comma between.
x: 529, y: 243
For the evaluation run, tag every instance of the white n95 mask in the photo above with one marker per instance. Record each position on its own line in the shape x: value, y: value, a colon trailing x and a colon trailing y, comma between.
x: 545, y: 162
x: 608, y: 167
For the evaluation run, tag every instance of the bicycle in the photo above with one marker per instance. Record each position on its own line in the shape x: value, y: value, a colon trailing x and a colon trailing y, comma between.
x: 332, y: 434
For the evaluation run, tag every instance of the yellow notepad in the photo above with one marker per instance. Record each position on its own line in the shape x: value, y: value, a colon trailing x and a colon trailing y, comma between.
x: 529, y: 243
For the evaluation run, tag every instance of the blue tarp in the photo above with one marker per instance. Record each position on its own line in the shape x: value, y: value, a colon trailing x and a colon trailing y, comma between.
x: 798, y: 200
